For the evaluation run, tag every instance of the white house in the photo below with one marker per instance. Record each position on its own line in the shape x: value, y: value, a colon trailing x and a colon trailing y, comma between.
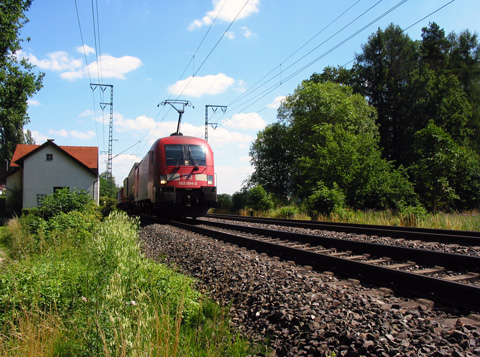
x: 39, y: 170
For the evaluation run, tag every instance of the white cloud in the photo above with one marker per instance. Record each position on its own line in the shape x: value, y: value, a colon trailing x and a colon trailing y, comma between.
x: 226, y: 10
x: 141, y: 122
x: 246, y: 32
x: 222, y: 136
x: 62, y: 132
x: 276, y: 102
x: 34, y: 103
x: 87, y: 113
x: 230, y: 178
x: 82, y: 135
x: 246, y: 121
x: 241, y: 86
x: 198, y: 86
x: 56, y: 61
x: 85, y: 49
x: 74, y: 68
x: 39, y: 137
x: 230, y: 35
x: 110, y: 67
x: 121, y: 166
x: 73, y: 133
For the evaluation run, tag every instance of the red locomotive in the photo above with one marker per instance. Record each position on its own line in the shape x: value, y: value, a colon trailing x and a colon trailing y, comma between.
x: 175, y: 178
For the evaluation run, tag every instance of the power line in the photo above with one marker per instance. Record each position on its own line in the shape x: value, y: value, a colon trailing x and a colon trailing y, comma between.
x: 211, y: 51
x: 88, y: 70
x: 269, y: 90
x: 254, y: 86
x: 301, y: 58
x: 213, y: 48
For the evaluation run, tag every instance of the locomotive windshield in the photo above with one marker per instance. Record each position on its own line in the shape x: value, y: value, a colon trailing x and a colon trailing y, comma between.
x: 185, y: 155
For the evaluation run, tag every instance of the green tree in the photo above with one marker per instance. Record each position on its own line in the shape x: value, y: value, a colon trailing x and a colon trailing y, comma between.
x: 435, y: 48
x: 272, y: 157
x: 259, y: 200
x: 224, y: 202
x: 383, y: 68
x: 17, y: 80
x: 464, y: 63
x: 336, y: 150
x: 240, y: 200
x: 432, y: 97
x: 446, y: 175
x: 108, y: 188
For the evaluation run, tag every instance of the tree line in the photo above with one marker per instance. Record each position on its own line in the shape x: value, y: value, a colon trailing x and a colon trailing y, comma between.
x: 399, y: 129
x: 18, y: 82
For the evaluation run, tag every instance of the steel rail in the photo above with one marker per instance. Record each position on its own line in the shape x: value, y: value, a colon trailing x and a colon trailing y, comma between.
x: 469, y: 238
x: 460, y: 295
x: 448, y: 260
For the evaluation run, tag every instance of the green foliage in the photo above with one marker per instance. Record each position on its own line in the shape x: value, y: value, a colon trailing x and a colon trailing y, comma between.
x: 259, y: 200
x: 339, y: 148
x: 224, y: 202
x: 415, y: 145
x: 65, y: 201
x: 107, y: 186
x: 104, y: 297
x: 107, y: 205
x: 325, y: 200
x: 286, y: 212
x: 240, y: 200
x: 17, y: 81
x: 272, y: 157
x: 446, y: 176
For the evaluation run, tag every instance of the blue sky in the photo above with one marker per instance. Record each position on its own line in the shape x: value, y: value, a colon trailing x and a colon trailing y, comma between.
x: 246, y: 55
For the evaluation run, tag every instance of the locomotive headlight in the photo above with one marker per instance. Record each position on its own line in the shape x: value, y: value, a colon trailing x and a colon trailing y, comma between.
x: 209, y: 180
x: 163, y: 179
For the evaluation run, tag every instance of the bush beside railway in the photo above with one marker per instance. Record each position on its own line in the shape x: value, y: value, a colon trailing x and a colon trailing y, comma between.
x: 75, y: 283
x: 242, y: 202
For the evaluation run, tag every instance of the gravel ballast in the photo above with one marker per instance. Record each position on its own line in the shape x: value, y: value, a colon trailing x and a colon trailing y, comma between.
x: 304, y: 312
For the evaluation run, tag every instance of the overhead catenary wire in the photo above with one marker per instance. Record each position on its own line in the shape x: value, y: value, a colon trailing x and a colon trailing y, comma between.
x: 254, y: 86
x: 269, y: 90
x: 181, y: 76
x: 306, y: 54
x: 88, y: 69
x: 210, y: 52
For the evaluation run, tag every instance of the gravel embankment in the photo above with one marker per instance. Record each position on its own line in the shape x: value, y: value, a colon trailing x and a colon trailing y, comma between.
x: 416, y: 244
x: 304, y: 312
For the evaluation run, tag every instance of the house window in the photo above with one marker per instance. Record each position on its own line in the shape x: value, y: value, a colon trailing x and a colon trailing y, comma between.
x: 49, y: 157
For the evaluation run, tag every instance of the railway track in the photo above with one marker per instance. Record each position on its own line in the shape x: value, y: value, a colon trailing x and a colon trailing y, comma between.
x: 467, y: 238
x: 444, y: 277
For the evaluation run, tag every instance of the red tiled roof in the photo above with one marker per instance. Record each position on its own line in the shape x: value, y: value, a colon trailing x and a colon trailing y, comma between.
x: 20, y: 151
x: 86, y: 155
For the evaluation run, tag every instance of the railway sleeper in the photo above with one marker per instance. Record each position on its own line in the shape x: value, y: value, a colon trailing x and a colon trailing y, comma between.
x: 325, y: 250
x: 464, y: 277
x: 380, y: 260
x: 341, y: 254
x: 428, y: 271
x: 402, y: 265
x: 358, y: 257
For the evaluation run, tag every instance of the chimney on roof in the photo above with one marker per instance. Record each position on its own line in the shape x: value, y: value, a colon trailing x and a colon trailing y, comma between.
x: 50, y: 139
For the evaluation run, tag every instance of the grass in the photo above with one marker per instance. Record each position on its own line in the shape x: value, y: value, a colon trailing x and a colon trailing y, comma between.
x: 466, y: 221
x: 69, y: 288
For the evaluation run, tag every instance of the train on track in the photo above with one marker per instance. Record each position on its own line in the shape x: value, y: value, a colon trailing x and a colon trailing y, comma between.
x: 176, y: 178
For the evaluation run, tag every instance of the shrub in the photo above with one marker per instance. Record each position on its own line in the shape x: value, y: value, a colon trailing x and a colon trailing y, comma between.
x: 259, y: 199
x: 65, y: 201
x: 287, y: 212
x: 325, y: 200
